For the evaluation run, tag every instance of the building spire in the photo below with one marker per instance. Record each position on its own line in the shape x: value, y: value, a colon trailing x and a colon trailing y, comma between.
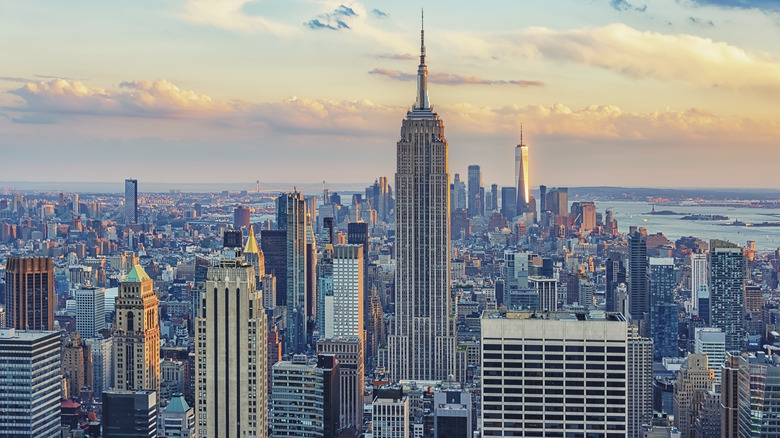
x: 422, y: 70
x: 521, y: 133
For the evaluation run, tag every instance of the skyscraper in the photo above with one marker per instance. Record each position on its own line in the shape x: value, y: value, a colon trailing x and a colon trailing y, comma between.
x: 475, y: 202
x: 698, y: 277
x: 509, y: 202
x: 90, y: 311
x: 521, y: 176
x: 131, y: 201
x: 727, y: 275
x: 294, y: 217
x: 422, y: 343
x: 30, y: 381
x: 29, y: 293
x: 137, y: 337
x: 131, y: 414
x: 616, y: 274
x: 638, y: 296
x: 663, y: 311
x: 230, y: 353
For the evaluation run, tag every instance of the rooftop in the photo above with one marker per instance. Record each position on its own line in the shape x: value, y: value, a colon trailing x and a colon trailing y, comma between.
x: 556, y: 316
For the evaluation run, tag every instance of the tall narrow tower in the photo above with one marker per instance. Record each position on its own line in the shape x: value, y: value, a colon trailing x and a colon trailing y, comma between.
x: 422, y: 341
x: 521, y: 176
x: 29, y: 293
x: 137, y: 338
x: 131, y: 201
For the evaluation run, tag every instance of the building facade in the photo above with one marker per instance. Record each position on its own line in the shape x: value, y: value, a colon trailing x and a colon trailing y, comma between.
x: 727, y: 277
x: 90, y: 311
x: 131, y: 201
x: 29, y: 293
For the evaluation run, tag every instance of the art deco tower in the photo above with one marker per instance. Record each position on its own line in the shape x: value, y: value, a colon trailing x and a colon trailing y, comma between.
x: 422, y: 341
x: 521, y: 176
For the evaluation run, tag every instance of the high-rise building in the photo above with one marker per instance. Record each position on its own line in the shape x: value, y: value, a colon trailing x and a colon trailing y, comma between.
x: 640, y: 382
x: 712, y: 342
x: 698, y: 277
x: 297, y: 279
x: 727, y: 276
x: 694, y: 376
x: 29, y: 293
x: 349, y: 354
x: 664, y: 315
x: 90, y: 311
x: 77, y: 370
x: 241, y: 217
x: 137, y: 336
x: 357, y: 234
x: 230, y: 352
x: 348, y: 292
x: 616, y: 274
x: 131, y: 201
x: 274, y: 246
x: 638, y: 294
x: 129, y: 414
x: 102, y: 350
x: 536, y: 371
x: 475, y: 204
x: 30, y: 381
x: 735, y: 397
x: 452, y: 412
x: 422, y: 343
x: 521, y: 176
x: 509, y: 202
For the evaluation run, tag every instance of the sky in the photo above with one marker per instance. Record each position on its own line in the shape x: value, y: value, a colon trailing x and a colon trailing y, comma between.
x: 661, y: 93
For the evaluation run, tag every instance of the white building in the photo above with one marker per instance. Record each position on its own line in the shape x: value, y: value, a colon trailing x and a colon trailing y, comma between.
x: 348, y: 291
x: 698, y: 277
x: 390, y: 415
x: 90, y: 311
x: 298, y: 396
x: 712, y: 342
x: 552, y: 372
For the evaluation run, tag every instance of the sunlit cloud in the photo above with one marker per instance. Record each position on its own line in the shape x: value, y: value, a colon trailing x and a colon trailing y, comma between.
x: 232, y: 15
x: 452, y: 79
x: 335, y: 20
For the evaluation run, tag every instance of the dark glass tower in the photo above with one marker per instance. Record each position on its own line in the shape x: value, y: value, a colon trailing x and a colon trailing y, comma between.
x: 29, y: 293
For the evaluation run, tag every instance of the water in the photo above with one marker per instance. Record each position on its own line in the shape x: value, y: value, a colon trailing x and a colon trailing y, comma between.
x: 635, y: 213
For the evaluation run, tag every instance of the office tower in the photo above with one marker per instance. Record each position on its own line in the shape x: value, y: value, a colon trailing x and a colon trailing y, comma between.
x: 616, y: 274
x: 77, y: 370
x: 29, y: 293
x: 305, y: 398
x: 274, y: 245
x: 694, y: 376
x: 379, y: 196
x: 547, y: 290
x: 640, y: 382
x: 357, y: 234
x: 75, y: 204
x: 90, y: 311
x: 325, y: 313
x: 735, y: 397
x: 494, y: 196
x: 390, y: 414
x: 664, y: 315
x: 177, y: 419
x: 129, y: 414
x: 475, y: 207
x: 727, y: 275
x: 509, y: 202
x: 102, y: 363
x: 31, y: 379
x: 131, y: 201
x: 536, y: 371
x: 458, y: 200
x: 521, y: 176
x: 703, y: 303
x: 698, y: 277
x: 543, y: 198
x: 639, y: 299
x: 241, y: 217
x: 295, y: 224
x: 452, y: 412
x: 515, y: 270
x: 557, y: 201
x: 137, y: 336
x: 750, y: 396
x: 422, y: 344
x: 587, y: 219
x: 712, y: 342
x: 349, y: 354
x: 254, y: 256
x: 230, y: 352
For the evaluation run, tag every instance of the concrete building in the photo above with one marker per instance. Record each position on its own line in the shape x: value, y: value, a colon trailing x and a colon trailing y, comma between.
x: 694, y: 379
x: 177, y: 419
x: 230, y: 352
x: 639, y: 297
x: 30, y: 382
x: 348, y: 292
x: 712, y: 342
x: 349, y: 353
x: 77, y: 369
x: 131, y: 201
x: 640, y: 382
x: 390, y: 413
x: 90, y: 311
x: 452, y: 412
x: 699, y: 277
x: 102, y: 350
x: 541, y: 371
x: 727, y: 277
x: 422, y: 341
x: 137, y: 336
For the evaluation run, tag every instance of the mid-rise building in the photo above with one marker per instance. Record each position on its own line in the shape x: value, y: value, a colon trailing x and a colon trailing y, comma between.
x: 390, y: 413
x: 712, y: 342
x: 349, y: 354
x: 30, y: 382
x: 90, y: 311
x: 177, y: 419
x: 452, y: 412
x: 137, y: 336
x: 129, y: 414
x: 694, y: 379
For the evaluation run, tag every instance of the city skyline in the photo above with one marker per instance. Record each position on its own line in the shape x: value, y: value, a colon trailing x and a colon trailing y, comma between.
x: 179, y: 91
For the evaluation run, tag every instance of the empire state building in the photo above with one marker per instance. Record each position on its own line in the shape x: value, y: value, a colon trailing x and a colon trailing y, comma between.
x: 422, y: 341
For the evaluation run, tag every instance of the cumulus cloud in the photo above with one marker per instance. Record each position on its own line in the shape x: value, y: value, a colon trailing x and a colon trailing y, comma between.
x: 639, y: 54
x: 158, y: 98
x: 335, y: 20
x: 452, y: 79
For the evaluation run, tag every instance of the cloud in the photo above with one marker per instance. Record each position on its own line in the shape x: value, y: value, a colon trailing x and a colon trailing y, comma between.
x: 769, y: 5
x: 452, y: 79
x: 701, y: 22
x: 335, y: 20
x: 14, y: 79
x: 233, y: 15
x: 637, y: 54
x: 379, y: 14
x: 398, y: 56
x: 159, y: 98
x: 623, y: 5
